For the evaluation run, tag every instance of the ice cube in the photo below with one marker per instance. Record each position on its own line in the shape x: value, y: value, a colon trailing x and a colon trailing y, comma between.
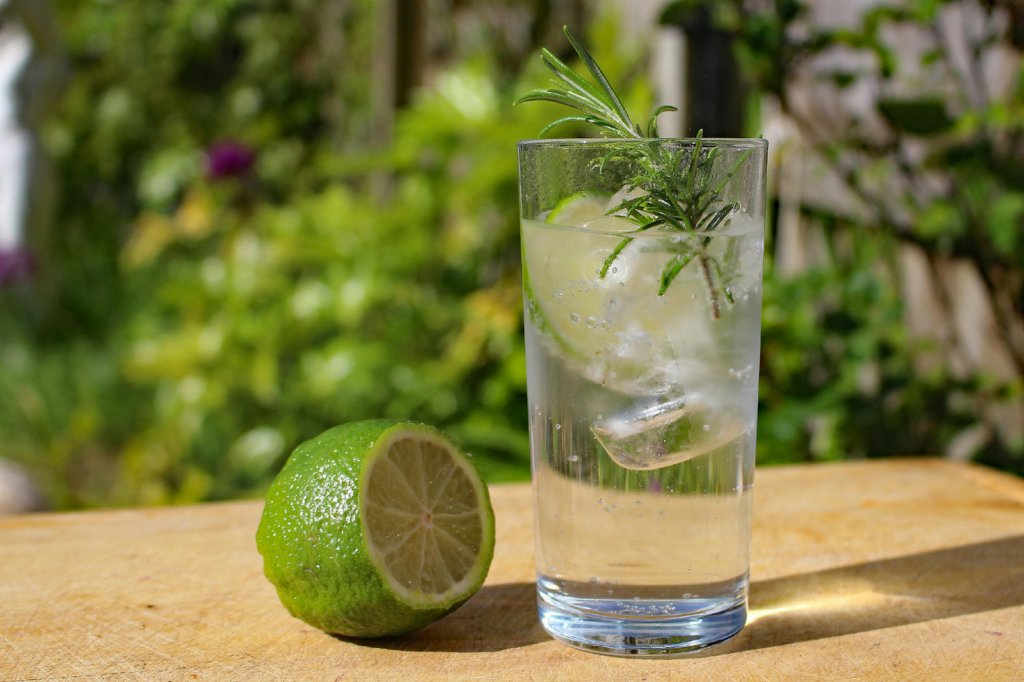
x: 667, y: 432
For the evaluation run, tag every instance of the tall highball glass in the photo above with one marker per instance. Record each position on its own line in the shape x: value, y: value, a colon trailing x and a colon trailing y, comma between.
x: 642, y: 275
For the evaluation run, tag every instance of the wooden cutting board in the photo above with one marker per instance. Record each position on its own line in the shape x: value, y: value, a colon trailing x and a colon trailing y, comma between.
x: 883, y: 570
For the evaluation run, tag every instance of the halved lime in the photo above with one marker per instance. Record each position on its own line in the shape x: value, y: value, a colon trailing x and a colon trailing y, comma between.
x: 376, y: 528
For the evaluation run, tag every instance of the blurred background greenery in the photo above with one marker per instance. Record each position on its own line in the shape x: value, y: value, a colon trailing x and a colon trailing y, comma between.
x: 278, y: 215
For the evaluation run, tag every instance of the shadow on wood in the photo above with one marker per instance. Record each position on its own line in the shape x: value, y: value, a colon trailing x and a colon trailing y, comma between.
x: 883, y: 594
x: 810, y: 606
x: 496, y: 618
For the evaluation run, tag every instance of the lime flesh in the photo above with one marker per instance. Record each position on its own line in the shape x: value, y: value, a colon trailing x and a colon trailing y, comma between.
x: 423, y: 520
x: 376, y: 528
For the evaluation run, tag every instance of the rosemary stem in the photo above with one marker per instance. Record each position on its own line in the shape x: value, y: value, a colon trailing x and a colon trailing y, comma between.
x: 712, y: 292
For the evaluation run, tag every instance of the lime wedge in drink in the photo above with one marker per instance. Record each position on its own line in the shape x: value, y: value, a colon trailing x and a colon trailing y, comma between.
x: 376, y: 528
x: 602, y: 325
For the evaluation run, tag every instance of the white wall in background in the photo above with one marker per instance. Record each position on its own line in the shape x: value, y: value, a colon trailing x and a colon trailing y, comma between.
x: 32, y: 74
x: 667, y: 59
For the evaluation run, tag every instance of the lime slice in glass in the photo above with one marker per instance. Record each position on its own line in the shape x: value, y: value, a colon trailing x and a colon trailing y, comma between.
x: 609, y: 328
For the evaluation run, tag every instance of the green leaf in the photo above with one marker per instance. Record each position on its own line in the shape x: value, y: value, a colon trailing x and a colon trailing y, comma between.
x: 1004, y: 222
x: 694, y: 160
x: 567, y: 119
x: 721, y: 215
x: 562, y: 70
x: 613, y: 255
x: 599, y: 76
x: 917, y: 117
x: 626, y: 204
x: 940, y: 219
x: 732, y: 171
x: 652, y: 124
x: 564, y: 98
x: 673, y: 268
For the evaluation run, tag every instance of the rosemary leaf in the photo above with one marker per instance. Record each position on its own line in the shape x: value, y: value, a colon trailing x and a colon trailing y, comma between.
x: 673, y: 268
x: 598, y: 74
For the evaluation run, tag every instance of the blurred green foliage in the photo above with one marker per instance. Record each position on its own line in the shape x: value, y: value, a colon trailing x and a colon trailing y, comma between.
x: 210, y: 324
x: 937, y: 166
x: 202, y: 327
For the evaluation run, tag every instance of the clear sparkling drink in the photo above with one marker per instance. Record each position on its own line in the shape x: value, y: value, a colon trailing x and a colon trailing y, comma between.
x: 643, y: 404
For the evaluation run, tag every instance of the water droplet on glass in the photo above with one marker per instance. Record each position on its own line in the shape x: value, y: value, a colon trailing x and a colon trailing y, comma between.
x: 595, y: 579
x: 694, y: 296
x: 707, y: 427
x: 592, y: 322
x: 600, y: 501
x: 573, y: 458
x: 558, y: 427
x: 605, y: 324
x: 575, y: 317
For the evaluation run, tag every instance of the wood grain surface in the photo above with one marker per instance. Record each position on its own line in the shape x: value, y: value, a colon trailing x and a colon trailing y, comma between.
x: 886, y: 570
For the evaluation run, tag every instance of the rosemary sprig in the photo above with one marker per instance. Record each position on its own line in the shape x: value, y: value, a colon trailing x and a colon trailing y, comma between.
x: 676, y: 189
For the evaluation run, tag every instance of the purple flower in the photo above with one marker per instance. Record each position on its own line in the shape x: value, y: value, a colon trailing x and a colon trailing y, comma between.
x: 227, y: 159
x: 16, y: 265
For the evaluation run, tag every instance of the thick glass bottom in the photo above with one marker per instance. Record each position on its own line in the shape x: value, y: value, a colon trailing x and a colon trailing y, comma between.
x: 641, y: 627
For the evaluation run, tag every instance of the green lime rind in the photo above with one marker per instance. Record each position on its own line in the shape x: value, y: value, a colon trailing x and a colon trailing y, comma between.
x: 313, y: 537
x: 578, y: 208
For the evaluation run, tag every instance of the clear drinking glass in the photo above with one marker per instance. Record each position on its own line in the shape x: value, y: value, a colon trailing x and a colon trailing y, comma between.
x: 642, y: 394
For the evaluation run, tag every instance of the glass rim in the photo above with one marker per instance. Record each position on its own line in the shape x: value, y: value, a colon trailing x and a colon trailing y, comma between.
x: 651, y: 235
x: 732, y: 142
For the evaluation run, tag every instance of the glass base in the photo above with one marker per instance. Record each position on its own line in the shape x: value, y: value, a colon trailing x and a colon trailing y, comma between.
x: 604, y: 626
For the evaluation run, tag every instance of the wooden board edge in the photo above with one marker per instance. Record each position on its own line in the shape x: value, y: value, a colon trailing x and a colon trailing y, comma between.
x: 999, y: 481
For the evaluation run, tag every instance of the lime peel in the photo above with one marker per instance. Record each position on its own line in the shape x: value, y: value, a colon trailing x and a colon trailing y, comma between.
x: 340, y: 566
